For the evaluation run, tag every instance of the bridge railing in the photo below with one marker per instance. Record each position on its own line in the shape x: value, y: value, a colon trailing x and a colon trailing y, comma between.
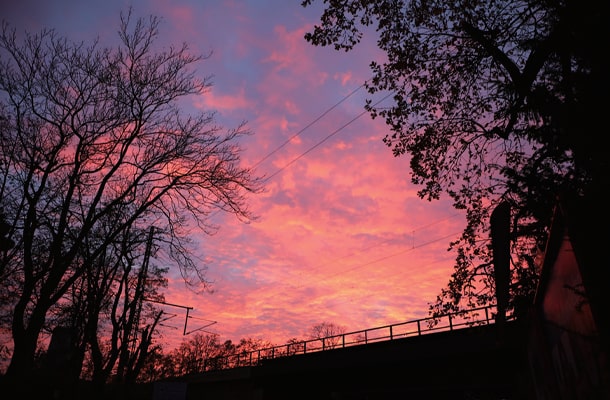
x: 417, y: 327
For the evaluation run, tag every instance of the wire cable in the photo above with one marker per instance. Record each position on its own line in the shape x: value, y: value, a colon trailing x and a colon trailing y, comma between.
x: 310, y: 124
x: 413, y: 246
x: 324, y: 139
x: 379, y: 259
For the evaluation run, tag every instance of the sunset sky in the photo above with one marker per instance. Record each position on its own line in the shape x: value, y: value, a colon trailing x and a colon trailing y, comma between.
x: 341, y: 235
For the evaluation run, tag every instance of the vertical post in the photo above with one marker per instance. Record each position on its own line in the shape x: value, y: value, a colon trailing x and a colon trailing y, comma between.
x: 186, y: 320
x: 391, y: 334
x: 499, y: 222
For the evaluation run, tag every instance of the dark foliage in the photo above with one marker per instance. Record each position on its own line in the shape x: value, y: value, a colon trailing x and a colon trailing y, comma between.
x: 494, y: 101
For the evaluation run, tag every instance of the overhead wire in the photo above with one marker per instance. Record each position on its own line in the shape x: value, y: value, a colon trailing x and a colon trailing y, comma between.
x: 325, y: 139
x: 328, y: 110
x: 382, y: 258
x: 377, y: 244
x: 319, y: 143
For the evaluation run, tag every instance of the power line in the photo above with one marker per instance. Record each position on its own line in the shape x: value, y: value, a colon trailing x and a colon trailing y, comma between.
x: 438, y: 221
x: 325, y: 139
x: 310, y: 124
x: 303, y: 130
x: 383, y: 258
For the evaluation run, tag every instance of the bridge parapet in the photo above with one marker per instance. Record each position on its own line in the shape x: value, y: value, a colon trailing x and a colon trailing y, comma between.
x: 416, y: 327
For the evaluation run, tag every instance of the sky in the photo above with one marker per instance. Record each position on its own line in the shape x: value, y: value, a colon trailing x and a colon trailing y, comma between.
x: 341, y: 235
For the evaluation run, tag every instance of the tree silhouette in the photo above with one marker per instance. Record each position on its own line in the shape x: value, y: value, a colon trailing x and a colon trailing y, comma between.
x: 494, y: 101
x: 328, y: 333
x: 93, y: 135
x: 195, y: 353
x: 6, y: 243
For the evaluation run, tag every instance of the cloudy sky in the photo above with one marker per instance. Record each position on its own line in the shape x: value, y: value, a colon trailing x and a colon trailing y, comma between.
x: 341, y: 235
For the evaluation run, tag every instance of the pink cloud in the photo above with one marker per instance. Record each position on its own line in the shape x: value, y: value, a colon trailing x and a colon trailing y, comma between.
x: 342, y: 236
x: 223, y: 102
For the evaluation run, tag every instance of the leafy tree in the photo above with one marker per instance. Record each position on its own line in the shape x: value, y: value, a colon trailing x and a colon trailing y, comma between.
x: 494, y: 101
x: 87, y: 133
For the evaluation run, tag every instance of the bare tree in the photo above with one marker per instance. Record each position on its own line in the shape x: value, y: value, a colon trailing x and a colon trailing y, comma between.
x: 194, y: 354
x: 295, y: 346
x: 247, y: 351
x: 116, y: 311
x: 330, y: 334
x: 88, y: 132
x: 157, y: 366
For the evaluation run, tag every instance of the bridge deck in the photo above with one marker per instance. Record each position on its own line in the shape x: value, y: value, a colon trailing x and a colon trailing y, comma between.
x: 474, y: 363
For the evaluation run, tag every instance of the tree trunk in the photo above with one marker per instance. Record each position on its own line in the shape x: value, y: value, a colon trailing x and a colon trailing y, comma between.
x: 25, y: 339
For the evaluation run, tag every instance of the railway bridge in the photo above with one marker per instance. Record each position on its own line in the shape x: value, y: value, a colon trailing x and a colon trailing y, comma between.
x: 455, y: 360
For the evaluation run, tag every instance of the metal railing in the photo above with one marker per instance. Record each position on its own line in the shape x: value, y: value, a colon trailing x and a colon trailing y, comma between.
x: 417, y: 327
